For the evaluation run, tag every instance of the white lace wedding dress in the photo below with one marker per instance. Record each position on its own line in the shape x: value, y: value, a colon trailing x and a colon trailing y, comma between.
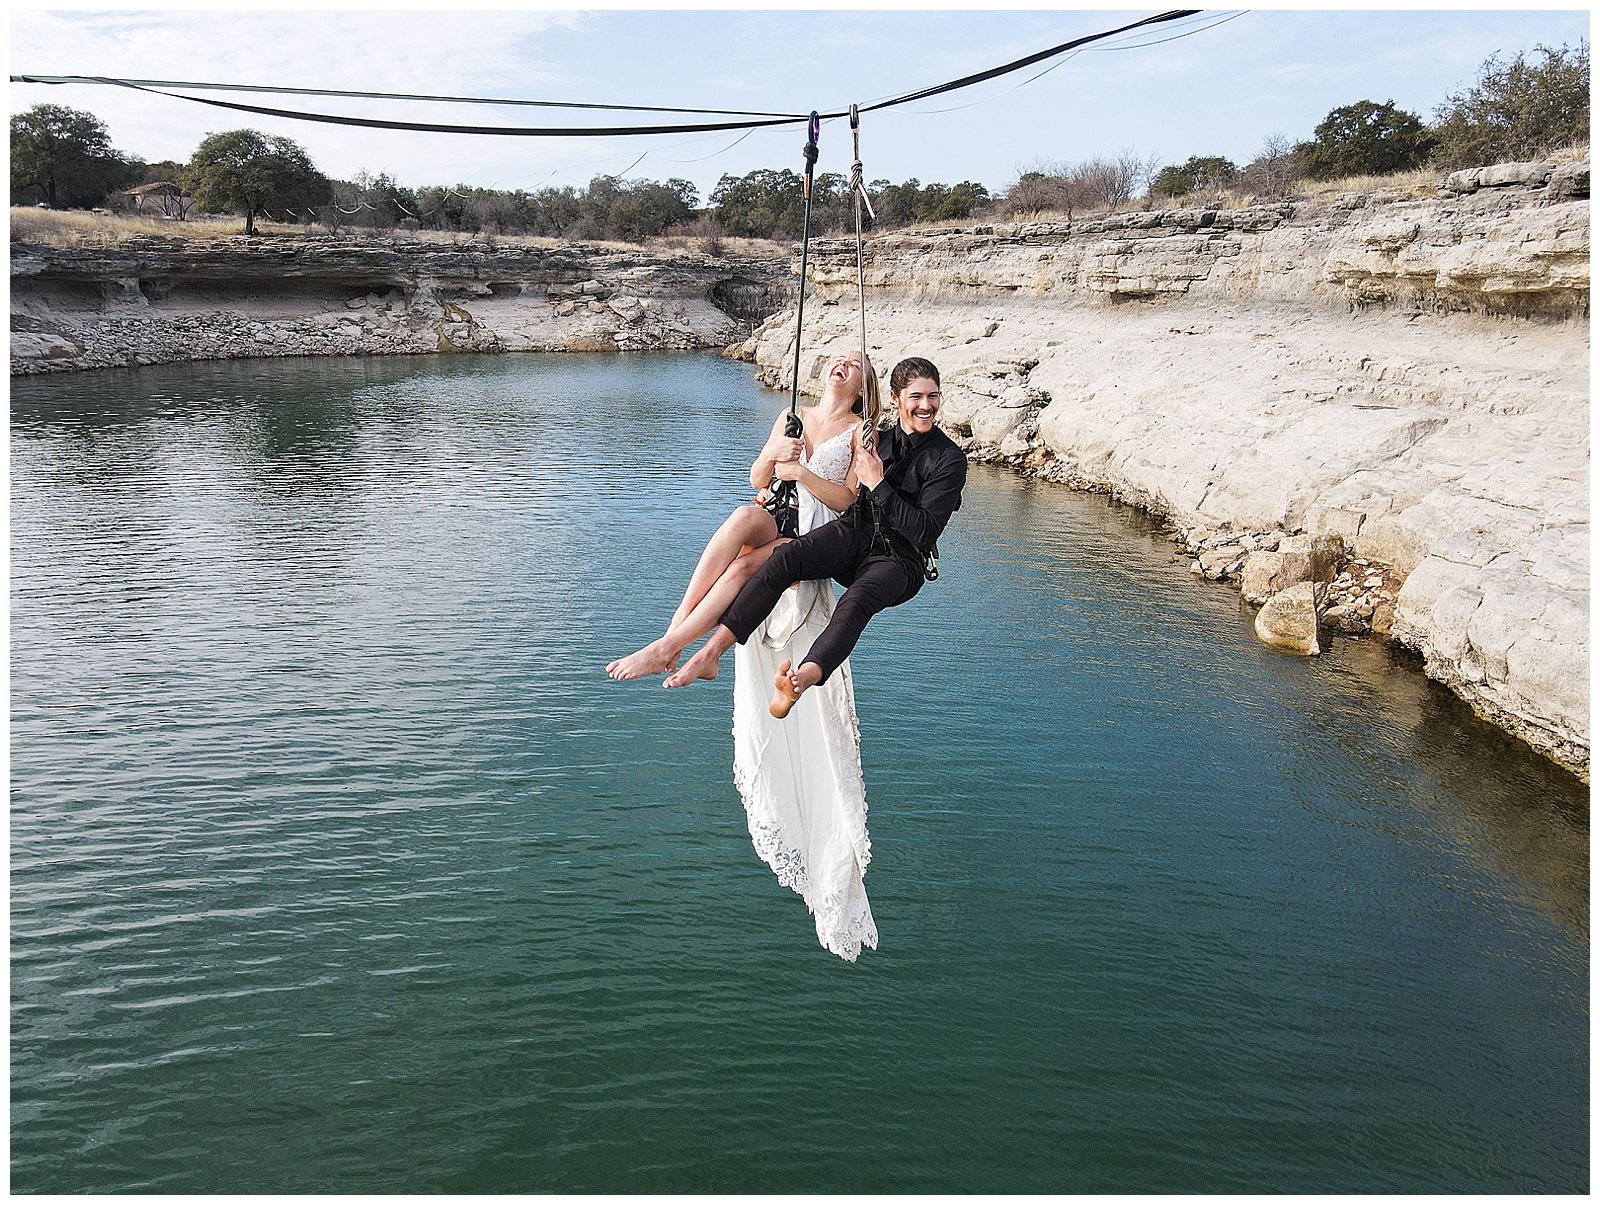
x: 801, y: 777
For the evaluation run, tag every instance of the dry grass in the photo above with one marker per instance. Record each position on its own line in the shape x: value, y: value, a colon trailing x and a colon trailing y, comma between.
x: 1423, y: 182
x: 82, y: 228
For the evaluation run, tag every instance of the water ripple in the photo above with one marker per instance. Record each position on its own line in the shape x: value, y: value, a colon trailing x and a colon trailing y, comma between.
x: 338, y: 866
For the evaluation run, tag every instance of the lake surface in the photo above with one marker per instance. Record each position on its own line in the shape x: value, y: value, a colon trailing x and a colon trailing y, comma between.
x: 338, y: 864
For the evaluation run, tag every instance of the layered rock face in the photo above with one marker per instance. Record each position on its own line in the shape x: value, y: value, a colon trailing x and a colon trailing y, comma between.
x: 1409, y: 376
x: 158, y: 300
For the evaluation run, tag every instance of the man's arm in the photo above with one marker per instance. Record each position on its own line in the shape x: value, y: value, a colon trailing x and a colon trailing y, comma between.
x: 921, y: 521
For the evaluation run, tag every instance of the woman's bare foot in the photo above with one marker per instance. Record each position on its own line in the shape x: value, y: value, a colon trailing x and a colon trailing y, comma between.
x: 653, y: 658
x: 784, y: 695
x: 700, y: 668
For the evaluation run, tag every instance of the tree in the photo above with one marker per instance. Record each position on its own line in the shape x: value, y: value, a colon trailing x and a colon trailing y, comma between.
x: 960, y: 202
x: 1109, y: 183
x: 67, y: 155
x: 1366, y: 139
x: 166, y: 171
x: 1274, y: 170
x: 1198, y: 173
x: 1044, y: 188
x: 761, y: 204
x: 252, y: 173
x: 644, y: 209
x: 1517, y: 110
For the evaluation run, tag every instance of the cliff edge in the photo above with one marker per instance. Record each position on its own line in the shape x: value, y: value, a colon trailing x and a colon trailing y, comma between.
x: 1405, y: 382
x: 159, y: 300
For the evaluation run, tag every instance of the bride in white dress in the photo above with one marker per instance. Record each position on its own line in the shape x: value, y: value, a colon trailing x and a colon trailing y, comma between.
x: 800, y: 778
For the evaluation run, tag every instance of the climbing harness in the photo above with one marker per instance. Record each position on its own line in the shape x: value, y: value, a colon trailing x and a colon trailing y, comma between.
x: 783, y: 500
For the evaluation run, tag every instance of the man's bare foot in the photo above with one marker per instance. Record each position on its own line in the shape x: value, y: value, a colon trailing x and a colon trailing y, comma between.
x: 653, y: 658
x: 702, y: 667
x: 790, y: 685
x: 784, y: 695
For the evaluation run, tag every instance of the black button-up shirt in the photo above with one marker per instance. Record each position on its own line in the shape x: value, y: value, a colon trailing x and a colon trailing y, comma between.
x: 921, y: 486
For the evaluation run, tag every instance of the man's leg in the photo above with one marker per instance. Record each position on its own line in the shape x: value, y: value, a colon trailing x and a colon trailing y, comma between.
x: 830, y: 551
x: 881, y: 582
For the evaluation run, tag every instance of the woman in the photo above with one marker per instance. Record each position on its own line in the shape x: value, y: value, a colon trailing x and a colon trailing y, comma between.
x: 800, y: 779
x: 821, y: 464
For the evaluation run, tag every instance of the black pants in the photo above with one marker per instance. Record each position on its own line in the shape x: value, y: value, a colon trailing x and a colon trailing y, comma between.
x: 840, y: 550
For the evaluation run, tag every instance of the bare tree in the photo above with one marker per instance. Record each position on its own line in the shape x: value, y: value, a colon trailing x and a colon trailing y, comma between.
x: 1043, y: 186
x: 1108, y: 183
x: 1275, y: 169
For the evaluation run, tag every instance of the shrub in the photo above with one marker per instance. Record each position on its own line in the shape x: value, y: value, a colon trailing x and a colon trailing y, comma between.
x: 1199, y: 173
x: 1518, y: 110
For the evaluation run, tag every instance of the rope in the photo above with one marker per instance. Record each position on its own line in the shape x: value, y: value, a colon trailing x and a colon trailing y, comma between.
x: 621, y: 131
x: 859, y: 188
x: 783, y: 494
x: 869, y: 432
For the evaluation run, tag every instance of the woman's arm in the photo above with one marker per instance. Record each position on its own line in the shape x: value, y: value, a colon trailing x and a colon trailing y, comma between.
x: 777, y: 448
x: 832, y: 494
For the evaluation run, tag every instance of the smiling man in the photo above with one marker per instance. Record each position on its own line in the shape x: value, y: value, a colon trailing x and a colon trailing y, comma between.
x: 878, y: 550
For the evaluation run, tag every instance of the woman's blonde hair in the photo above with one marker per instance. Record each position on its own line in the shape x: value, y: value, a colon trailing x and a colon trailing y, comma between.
x: 873, y: 411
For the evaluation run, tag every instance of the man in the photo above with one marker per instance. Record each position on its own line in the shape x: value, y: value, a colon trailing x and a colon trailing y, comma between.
x: 910, y: 486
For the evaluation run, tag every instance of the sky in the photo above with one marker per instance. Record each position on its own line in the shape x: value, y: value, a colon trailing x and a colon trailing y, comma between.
x: 1223, y: 89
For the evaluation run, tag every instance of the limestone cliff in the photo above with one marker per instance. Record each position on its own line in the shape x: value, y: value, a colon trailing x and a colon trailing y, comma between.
x: 1410, y: 375
x: 157, y: 300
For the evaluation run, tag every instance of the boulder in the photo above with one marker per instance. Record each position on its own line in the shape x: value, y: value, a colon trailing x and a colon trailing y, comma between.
x: 1289, y: 619
x: 1501, y: 175
x: 1569, y: 181
x: 1218, y: 563
x: 42, y: 347
x: 1297, y: 559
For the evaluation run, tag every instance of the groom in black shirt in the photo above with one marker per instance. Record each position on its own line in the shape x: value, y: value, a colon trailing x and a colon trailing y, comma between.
x: 878, y: 549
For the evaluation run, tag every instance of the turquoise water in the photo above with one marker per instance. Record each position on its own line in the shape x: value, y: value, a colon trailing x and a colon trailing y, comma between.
x: 337, y: 864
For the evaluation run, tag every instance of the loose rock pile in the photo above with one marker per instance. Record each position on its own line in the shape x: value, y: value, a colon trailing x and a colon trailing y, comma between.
x: 1353, y: 596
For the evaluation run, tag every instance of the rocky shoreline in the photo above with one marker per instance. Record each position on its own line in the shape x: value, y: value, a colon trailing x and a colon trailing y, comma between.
x: 1371, y: 416
x: 158, y: 300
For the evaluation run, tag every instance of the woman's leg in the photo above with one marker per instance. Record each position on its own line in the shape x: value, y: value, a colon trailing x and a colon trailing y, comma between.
x: 708, y: 611
x: 747, y: 527
x: 662, y: 654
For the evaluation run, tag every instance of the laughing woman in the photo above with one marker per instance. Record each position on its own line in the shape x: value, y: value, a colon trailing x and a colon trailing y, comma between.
x: 821, y: 463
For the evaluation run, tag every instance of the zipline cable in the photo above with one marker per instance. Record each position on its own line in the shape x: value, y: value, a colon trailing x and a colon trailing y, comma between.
x: 629, y: 131
x: 455, y: 100
x: 1067, y: 58
x: 979, y: 77
x: 427, y: 127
